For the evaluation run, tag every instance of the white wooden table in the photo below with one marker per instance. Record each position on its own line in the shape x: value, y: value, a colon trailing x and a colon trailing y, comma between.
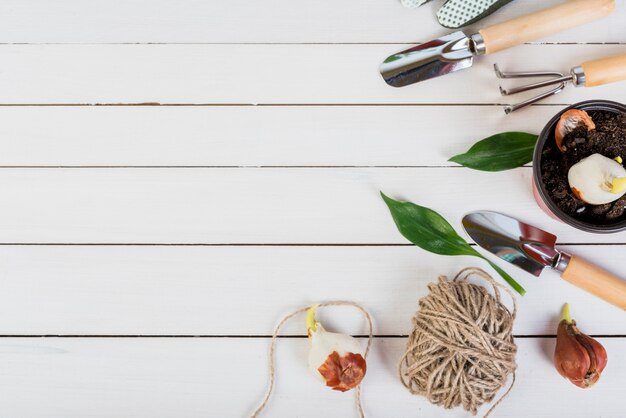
x: 229, y: 174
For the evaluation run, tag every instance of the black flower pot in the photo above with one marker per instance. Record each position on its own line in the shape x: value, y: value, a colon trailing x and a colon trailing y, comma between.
x: 541, y: 195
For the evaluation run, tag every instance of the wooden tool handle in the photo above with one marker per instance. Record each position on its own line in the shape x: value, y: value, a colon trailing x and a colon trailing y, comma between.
x: 597, y: 281
x: 605, y: 70
x: 543, y: 23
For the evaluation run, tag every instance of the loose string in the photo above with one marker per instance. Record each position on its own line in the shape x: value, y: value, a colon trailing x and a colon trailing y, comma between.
x: 286, y: 318
x: 461, y: 349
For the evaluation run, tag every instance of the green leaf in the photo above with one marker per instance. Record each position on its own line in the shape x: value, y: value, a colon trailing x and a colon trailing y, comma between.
x: 430, y: 231
x: 427, y: 229
x: 511, y: 281
x: 499, y: 152
x: 392, y: 58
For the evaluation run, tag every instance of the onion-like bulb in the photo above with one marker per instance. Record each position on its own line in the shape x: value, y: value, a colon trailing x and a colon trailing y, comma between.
x: 578, y: 357
x: 597, y: 179
x: 569, y: 121
x: 337, y: 359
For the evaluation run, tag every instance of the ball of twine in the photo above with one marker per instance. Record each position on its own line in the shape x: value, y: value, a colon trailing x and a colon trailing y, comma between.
x: 461, y: 350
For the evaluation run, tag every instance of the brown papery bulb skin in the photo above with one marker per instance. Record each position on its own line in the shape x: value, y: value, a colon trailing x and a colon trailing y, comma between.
x: 343, y: 373
x: 568, y: 122
x: 578, y: 357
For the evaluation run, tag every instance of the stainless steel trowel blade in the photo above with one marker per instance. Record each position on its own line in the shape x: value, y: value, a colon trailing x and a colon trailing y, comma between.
x: 435, y: 58
x: 523, y: 245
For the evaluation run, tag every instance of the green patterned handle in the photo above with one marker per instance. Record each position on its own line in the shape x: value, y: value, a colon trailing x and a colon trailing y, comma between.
x: 457, y: 13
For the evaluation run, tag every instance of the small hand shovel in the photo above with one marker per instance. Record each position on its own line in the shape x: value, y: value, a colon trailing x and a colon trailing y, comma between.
x: 456, y: 51
x: 532, y: 249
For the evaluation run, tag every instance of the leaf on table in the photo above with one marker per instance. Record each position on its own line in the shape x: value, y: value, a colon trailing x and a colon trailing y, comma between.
x: 499, y: 152
x: 430, y: 231
x: 507, y: 278
x: 427, y: 229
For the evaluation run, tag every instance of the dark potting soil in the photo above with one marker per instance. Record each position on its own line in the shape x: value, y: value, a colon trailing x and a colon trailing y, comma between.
x: 608, y: 139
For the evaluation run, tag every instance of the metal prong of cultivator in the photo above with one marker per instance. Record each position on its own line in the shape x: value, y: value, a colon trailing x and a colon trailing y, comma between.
x: 524, y: 74
x: 517, y: 106
x: 520, y: 89
x: 558, y: 78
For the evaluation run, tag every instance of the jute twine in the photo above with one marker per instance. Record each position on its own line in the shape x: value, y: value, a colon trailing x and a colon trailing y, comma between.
x: 271, y: 361
x: 461, y: 350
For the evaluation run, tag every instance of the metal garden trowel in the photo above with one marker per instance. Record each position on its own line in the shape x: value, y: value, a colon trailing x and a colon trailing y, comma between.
x: 456, y: 51
x: 532, y: 249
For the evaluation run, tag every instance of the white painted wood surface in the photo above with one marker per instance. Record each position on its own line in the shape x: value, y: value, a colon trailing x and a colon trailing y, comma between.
x: 251, y: 136
x: 126, y: 230
x: 247, y: 21
x: 200, y: 377
x: 264, y: 74
x: 237, y: 205
x: 175, y: 290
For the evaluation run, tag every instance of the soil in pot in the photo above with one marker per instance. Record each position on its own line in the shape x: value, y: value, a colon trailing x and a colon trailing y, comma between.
x: 608, y: 139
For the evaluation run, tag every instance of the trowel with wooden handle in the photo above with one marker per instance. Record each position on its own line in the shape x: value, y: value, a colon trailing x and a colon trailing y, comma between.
x: 456, y: 51
x: 532, y: 249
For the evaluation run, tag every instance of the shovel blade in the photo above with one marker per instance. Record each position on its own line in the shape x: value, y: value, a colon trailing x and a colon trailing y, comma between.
x: 523, y: 245
x: 433, y: 59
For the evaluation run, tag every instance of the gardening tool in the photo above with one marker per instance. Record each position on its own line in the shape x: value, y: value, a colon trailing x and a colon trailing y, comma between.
x: 457, y: 13
x: 588, y: 74
x: 411, y: 4
x: 456, y: 51
x: 532, y: 249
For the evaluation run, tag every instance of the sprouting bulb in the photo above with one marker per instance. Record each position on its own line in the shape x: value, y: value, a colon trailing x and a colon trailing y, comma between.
x: 337, y: 359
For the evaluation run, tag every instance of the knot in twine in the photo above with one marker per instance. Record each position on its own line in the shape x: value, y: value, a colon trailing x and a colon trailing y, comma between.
x: 461, y: 349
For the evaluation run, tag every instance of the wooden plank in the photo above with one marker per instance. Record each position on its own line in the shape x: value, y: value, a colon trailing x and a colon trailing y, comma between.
x: 226, y: 377
x: 233, y: 206
x: 167, y: 21
x: 264, y: 74
x: 251, y: 135
x: 121, y: 290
